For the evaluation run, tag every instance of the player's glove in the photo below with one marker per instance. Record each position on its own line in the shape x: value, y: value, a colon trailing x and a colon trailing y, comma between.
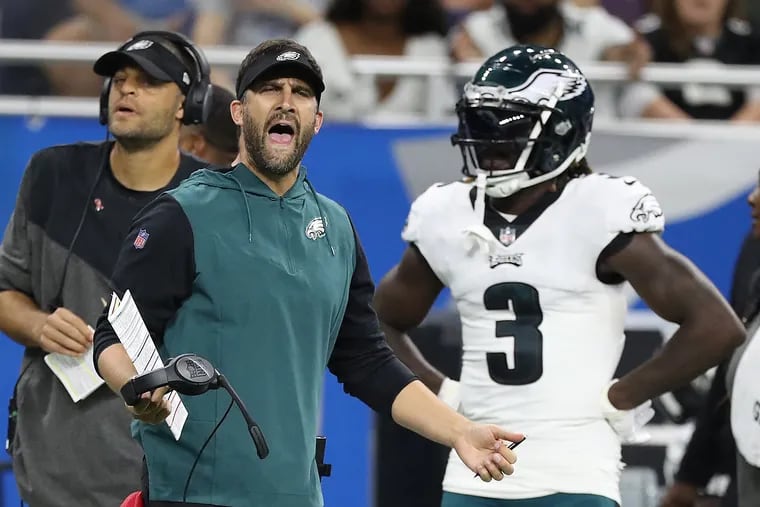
x: 627, y: 424
x: 449, y: 393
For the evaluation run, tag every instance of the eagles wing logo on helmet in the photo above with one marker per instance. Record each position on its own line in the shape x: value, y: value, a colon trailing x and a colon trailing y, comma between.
x: 543, y: 83
x: 315, y: 229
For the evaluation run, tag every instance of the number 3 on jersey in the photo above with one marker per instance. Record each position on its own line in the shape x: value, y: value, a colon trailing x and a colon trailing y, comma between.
x: 523, y: 364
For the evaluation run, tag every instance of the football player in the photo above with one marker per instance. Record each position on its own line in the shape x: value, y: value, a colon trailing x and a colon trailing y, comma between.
x: 535, y: 250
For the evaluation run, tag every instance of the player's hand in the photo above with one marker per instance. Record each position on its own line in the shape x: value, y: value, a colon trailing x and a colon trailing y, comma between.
x: 680, y: 494
x: 484, y: 449
x: 64, y: 332
x: 627, y: 424
x: 152, y: 407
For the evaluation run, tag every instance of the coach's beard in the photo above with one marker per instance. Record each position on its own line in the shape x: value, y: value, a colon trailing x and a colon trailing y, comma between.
x: 255, y: 138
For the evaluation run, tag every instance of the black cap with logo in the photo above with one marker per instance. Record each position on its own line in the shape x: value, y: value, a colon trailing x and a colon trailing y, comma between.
x: 277, y: 61
x: 152, y: 57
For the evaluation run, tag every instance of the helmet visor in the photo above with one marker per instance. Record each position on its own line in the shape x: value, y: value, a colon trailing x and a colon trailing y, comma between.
x: 498, y: 135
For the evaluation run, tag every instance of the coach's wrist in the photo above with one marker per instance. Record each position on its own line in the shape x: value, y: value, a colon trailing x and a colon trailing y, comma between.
x: 460, y: 428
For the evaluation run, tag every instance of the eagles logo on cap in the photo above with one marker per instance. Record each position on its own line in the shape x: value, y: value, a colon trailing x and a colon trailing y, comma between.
x: 283, y: 60
x: 288, y: 55
x: 141, y: 44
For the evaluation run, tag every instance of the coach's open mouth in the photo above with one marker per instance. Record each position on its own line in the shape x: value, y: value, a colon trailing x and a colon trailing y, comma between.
x: 281, y: 132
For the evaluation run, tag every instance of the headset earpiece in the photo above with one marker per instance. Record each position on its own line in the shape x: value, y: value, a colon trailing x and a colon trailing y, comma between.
x: 197, y: 103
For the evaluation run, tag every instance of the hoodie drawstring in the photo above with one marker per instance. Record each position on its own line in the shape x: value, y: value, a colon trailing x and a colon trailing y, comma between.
x: 321, y: 215
x: 247, y: 208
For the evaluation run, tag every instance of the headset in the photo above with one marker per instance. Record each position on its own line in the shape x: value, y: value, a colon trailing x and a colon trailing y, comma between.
x: 197, y: 104
x: 193, y: 375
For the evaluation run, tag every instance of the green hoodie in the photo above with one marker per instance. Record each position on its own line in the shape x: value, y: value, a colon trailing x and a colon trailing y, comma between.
x: 267, y: 302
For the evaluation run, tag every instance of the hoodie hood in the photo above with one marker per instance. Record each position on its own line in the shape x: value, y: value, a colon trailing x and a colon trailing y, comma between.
x: 241, y: 178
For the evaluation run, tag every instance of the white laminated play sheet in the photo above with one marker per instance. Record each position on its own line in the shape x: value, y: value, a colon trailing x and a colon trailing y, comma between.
x: 129, y: 327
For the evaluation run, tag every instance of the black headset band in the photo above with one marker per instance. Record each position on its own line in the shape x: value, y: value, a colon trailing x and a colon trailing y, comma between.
x: 141, y: 384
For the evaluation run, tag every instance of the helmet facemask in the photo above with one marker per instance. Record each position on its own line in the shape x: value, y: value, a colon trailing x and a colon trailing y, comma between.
x: 504, y: 138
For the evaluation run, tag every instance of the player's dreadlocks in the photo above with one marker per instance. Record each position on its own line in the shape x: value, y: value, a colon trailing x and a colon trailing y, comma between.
x: 577, y: 170
x: 580, y: 168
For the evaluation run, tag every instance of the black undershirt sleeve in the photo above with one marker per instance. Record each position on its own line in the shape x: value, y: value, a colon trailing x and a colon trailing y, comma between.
x: 156, y: 264
x: 361, y: 359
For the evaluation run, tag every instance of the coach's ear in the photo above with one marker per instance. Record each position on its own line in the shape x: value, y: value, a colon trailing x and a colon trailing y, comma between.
x: 236, y: 111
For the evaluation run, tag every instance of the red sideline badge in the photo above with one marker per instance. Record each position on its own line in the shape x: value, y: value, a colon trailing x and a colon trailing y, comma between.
x: 141, y: 239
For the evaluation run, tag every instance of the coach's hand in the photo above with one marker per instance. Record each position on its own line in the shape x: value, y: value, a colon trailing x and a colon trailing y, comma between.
x: 152, y: 407
x: 484, y: 449
x: 63, y: 332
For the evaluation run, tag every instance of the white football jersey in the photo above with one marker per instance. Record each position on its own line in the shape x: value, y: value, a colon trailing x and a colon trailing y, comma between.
x: 542, y: 335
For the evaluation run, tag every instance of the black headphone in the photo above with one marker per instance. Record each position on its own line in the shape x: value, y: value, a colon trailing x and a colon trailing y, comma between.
x: 192, y: 375
x: 197, y: 104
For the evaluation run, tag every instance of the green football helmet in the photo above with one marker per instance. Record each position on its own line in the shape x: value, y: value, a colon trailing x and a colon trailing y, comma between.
x: 524, y: 118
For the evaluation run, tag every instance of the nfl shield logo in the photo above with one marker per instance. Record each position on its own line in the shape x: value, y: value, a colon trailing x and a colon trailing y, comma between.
x: 507, y: 236
x: 141, y: 238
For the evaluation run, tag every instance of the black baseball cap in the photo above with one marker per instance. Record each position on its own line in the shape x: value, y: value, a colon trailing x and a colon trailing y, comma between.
x: 284, y: 60
x: 219, y: 130
x: 151, y: 56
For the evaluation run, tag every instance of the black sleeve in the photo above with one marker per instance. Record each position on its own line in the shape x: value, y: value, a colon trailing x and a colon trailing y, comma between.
x: 711, y: 439
x: 35, y: 195
x: 156, y: 264
x: 362, y: 360
x: 15, y: 250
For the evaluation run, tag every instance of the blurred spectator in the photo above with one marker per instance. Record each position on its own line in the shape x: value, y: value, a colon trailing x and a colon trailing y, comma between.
x: 704, y: 34
x: 457, y: 10
x: 412, y: 28
x: 247, y: 23
x: 627, y: 10
x: 585, y: 34
x: 216, y: 140
x: 30, y: 19
x: 109, y: 20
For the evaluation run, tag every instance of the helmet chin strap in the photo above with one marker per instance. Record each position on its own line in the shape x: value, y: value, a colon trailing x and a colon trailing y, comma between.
x: 478, y: 237
x: 508, y: 186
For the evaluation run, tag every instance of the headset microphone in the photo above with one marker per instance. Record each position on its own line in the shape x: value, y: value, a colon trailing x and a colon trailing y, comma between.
x: 192, y: 375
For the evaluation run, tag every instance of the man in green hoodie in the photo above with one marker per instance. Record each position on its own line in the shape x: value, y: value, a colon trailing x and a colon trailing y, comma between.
x: 254, y: 270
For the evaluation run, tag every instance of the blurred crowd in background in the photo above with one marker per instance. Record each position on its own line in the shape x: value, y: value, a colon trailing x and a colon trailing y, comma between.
x: 705, y: 33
